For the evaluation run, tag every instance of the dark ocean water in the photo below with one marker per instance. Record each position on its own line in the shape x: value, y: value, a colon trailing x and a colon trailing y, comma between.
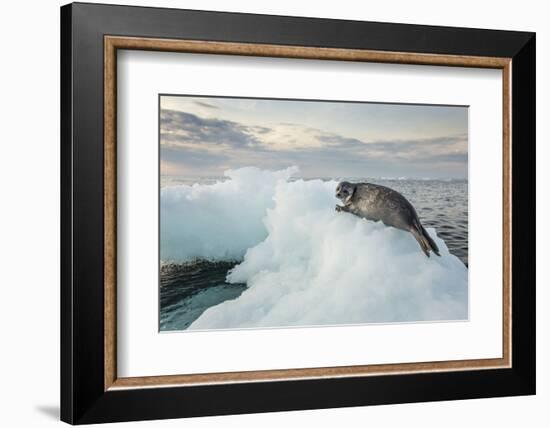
x: 188, y: 289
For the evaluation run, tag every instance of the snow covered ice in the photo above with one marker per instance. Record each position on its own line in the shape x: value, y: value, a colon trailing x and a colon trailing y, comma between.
x: 303, y: 262
x: 218, y: 221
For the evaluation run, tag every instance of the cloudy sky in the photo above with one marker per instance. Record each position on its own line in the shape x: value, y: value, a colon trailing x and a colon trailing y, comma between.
x: 204, y: 136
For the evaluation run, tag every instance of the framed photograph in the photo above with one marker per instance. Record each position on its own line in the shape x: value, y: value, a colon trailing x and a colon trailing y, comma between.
x: 266, y: 213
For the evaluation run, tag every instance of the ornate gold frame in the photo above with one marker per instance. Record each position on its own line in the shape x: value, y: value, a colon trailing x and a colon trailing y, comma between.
x: 113, y: 43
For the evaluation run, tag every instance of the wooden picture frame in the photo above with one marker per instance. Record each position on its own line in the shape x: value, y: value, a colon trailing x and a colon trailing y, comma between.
x: 91, y: 390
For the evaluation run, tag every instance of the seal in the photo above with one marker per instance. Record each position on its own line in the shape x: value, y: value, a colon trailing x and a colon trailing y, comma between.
x: 380, y: 203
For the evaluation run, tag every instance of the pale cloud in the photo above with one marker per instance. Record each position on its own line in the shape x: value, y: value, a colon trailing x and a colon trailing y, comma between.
x: 206, y: 144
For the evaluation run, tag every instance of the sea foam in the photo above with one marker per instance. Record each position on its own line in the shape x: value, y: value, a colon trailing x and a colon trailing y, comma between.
x: 304, y: 263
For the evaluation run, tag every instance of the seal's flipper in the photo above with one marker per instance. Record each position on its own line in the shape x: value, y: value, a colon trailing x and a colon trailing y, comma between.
x: 421, y: 241
x: 342, y: 208
x: 431, y: 243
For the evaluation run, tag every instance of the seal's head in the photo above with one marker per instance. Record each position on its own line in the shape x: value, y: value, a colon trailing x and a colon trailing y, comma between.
x: 345, y: 191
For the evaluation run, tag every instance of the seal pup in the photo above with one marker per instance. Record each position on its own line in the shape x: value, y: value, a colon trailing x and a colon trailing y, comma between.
x: 375, y: 202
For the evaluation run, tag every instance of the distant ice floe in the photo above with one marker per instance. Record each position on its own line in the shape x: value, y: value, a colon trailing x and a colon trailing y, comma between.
x: 304, y: 263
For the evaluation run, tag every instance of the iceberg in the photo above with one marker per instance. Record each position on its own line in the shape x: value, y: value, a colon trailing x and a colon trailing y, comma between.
x: 305, y: 264
x: 217, y: 221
